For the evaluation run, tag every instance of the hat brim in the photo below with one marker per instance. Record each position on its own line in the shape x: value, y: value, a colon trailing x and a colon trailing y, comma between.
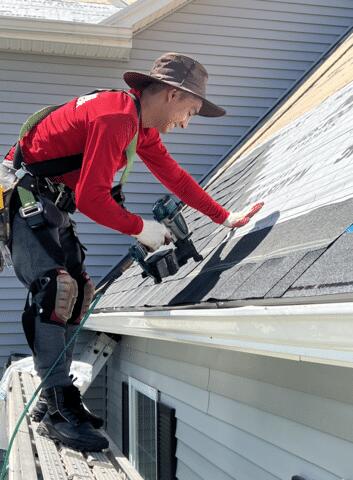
x: 140, y: 80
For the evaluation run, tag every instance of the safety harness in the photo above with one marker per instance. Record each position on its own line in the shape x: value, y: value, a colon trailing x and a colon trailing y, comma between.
x: 34, y: 180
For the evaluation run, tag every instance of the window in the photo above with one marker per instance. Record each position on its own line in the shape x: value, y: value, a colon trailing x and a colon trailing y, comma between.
x: 143, y: 428
x: 148, y: 432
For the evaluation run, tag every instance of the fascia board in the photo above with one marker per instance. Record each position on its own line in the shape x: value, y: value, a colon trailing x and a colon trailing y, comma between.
x: 65, y: 38
x: 320, y: 333
x: 143, y: 13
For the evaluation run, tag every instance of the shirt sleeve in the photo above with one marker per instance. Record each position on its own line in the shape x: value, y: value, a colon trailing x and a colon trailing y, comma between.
x: 156, y: 157
x: 107, y: 139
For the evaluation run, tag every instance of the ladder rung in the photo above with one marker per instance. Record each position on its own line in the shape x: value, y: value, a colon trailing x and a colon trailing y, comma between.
x: 76, y: 465
x: 103, y: 468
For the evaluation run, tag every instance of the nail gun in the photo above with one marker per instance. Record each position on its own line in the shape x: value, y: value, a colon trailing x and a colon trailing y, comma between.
x: 167, y: 262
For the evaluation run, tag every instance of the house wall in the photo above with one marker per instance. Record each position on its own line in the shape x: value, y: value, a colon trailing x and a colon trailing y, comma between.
x: 242, y: 416
x: 254, y: 51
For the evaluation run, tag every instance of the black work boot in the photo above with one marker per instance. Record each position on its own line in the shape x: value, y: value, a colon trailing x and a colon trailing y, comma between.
x: 73, y: 401
x: 61, y: 424
x: 40, y: 408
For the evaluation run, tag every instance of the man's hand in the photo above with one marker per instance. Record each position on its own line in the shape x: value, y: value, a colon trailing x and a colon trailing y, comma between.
x: 239, y: 219
x: 153, y: 235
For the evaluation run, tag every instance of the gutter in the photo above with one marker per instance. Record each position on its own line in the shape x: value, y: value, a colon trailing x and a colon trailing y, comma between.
x: 65, y: 38
x: 319, y: 333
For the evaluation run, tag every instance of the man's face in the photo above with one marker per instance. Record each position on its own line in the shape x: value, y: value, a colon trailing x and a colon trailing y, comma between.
x: 177, y: 110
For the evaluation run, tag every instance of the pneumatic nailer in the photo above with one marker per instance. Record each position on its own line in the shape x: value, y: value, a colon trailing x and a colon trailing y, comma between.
x: 167, y: 262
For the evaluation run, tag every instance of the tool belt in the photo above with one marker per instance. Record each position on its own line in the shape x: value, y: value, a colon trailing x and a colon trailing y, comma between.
x: 41, y: 208
x: 58, y: 193
x: 39, y: 202
x: 7, y: 182
x: 27, y: 203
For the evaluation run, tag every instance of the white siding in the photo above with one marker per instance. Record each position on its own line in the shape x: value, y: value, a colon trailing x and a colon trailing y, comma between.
x: 254, y: 51
x: 241, y: 416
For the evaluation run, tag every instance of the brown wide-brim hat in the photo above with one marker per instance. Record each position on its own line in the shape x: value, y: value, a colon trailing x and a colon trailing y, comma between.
x: 181, y: 72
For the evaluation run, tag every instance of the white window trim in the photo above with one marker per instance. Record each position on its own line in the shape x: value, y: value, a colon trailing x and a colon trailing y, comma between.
x: 150, y: 392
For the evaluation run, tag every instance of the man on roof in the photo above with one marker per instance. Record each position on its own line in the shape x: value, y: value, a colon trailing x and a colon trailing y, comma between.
x: 78, y: 148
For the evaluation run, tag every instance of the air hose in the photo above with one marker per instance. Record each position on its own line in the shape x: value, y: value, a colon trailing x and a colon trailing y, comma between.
x: 102, y: 286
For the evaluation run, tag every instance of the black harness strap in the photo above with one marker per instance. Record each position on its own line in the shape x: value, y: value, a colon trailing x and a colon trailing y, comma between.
x: 48, y: 168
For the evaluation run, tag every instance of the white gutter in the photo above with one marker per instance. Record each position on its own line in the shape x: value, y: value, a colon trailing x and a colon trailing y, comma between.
x: 313, y: 333
x: 143, y: 13
x: 65, y: 38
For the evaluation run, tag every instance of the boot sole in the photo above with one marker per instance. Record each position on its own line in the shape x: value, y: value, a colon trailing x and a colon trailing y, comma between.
x: 45, y: 432
x: 38, y: 417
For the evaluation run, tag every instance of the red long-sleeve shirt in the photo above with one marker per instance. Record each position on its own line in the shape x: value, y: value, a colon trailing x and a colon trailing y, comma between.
x: 101, y: 126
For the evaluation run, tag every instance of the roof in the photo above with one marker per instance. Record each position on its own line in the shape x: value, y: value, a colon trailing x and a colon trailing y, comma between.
x: 102, y: 29
x: 299, y: 247
x: 81, y: 11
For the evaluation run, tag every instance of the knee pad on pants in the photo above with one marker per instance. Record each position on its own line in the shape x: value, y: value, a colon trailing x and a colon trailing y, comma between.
x: 55, y: 295
x: 84, y: 298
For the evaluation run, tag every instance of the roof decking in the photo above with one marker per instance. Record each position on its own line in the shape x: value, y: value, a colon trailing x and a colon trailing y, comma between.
x: 300, y: 164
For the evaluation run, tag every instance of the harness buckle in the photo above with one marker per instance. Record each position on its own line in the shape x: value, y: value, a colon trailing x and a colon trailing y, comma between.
x: 31, y: 210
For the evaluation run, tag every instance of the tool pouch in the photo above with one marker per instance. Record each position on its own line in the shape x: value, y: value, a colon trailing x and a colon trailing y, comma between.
x: 8, y: 181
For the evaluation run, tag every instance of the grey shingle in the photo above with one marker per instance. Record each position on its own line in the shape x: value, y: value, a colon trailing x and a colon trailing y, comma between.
x: 330, y: 274
x: 294, y: 273
x: 265, y: 277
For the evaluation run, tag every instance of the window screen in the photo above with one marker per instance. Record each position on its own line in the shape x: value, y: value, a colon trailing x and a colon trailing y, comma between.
x: 149, y: 432
x: 146, y: 437
x: 143, y: 428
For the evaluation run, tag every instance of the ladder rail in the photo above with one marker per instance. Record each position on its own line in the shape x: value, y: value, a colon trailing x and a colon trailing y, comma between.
x: 22, y: 463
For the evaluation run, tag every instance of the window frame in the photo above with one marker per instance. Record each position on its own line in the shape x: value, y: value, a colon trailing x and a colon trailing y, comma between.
x: 153, y: 394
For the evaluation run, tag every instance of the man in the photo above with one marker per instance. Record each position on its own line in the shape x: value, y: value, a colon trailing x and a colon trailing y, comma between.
x: 98, y: 128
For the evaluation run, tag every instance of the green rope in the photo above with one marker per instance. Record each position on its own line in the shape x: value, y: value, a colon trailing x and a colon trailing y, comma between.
x: 5, y: 467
